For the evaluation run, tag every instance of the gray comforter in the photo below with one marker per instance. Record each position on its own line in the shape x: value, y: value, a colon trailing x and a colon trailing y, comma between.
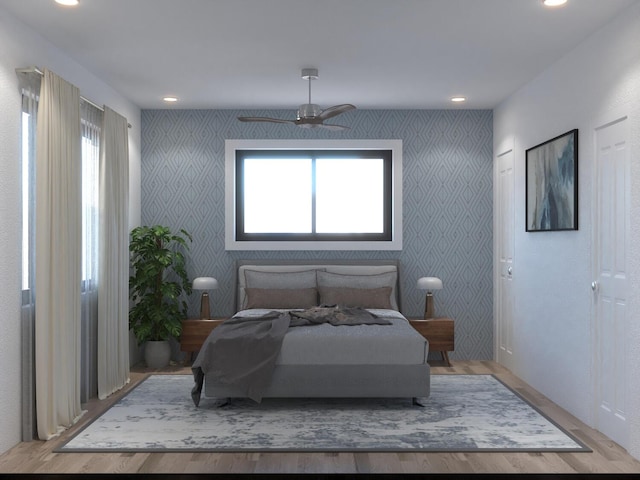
x: 243, y: 350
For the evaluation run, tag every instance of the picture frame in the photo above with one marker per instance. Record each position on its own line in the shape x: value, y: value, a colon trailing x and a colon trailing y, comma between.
x: 552, y: 184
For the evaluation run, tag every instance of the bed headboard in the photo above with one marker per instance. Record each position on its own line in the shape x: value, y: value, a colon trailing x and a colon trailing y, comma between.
x: 343, y: 267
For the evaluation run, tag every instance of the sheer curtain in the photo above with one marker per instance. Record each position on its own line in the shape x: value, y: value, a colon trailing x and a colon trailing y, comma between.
x: 91, y: 121
x: 113, y: 306
x: 30, y: 89
x: 58, y: 256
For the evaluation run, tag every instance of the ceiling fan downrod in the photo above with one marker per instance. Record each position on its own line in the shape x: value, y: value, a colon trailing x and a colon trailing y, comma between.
x: 309, y: 74
x: 309, y: 110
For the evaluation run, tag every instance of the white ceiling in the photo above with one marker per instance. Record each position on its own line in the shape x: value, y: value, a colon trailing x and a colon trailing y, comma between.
x: 247, y: 54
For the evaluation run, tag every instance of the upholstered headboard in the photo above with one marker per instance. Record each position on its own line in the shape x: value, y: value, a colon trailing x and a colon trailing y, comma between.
x: 376, y: 269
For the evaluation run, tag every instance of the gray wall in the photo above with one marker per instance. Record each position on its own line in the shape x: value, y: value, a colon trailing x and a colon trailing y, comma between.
x: 447, y: 168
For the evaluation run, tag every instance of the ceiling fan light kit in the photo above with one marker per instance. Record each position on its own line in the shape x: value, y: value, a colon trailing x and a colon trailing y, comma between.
x: 309, y: 115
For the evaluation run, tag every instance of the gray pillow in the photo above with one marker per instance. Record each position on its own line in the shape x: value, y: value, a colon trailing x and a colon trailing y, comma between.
x: 281, y: 297
x: 356, y: 297
x: 388, y: 279
x: 259, y: 279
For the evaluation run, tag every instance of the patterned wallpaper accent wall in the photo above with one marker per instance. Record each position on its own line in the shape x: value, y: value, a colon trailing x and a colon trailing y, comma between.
x: 447, y: 209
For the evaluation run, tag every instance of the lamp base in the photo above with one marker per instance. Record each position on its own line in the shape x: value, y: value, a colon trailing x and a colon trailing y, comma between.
x: 428, y: 306
x: 205, y: 313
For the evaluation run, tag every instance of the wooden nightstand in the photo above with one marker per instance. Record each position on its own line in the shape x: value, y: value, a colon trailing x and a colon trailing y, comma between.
x: 439, y: 332
x: 195, y: 332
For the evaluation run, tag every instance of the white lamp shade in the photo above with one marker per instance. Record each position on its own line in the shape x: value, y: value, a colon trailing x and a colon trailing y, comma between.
x: 205, y: 283
x: 429, y: 283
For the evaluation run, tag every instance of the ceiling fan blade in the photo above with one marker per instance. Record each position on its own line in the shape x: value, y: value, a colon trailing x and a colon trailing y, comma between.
x: 335, y: 110
x: 265, y: 119
x: 333, y: 128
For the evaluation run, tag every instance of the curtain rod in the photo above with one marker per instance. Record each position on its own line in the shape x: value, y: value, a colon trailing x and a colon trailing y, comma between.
x: 41, y: 73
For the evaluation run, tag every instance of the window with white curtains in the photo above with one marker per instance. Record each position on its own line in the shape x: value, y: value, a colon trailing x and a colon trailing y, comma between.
x: 83, y: 187
x: 31, y: 87
x: 91, y: 118
x: 91, y: 126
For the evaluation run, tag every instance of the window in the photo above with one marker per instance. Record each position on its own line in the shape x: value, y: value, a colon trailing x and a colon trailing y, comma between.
x: 91, y: 124
x: 28, y: 131
x: 293, y: 195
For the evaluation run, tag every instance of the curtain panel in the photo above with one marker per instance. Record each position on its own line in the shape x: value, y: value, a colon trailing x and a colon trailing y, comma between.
x: 113, y: 286
x: 58, y: 256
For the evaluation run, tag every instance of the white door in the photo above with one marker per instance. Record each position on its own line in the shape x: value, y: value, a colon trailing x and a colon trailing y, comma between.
x: 505, y: 254
x: 611, y: 234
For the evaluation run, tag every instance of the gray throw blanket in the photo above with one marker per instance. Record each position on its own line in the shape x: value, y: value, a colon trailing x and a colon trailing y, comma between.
x: 242, y: 351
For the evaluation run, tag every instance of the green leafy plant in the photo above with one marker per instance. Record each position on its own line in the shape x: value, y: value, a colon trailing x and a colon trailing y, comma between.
x: 157, y: 282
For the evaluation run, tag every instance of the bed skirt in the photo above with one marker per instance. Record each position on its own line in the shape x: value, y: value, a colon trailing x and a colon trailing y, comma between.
x: 327, y: 381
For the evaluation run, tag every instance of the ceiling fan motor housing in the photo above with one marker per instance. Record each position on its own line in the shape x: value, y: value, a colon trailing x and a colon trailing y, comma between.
x: 308, y: 110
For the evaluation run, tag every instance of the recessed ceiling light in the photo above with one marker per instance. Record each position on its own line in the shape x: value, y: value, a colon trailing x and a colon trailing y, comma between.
x: 553, y: 3
x: 68, y: 3
x: 458, y: 99
x: 170, y: 99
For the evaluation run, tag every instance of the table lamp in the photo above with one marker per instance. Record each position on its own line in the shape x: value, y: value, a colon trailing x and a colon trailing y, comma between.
x: 205, y: 283
x: 429, y: 284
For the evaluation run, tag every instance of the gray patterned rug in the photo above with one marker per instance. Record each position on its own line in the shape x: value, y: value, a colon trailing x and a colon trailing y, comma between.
x: 463, y: 413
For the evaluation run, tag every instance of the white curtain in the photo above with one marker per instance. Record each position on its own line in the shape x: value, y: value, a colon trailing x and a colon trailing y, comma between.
x: 58, y: 256
x: 113, y: 286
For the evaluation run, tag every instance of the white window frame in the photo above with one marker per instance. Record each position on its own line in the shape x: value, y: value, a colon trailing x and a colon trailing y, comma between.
x: 230, y: 194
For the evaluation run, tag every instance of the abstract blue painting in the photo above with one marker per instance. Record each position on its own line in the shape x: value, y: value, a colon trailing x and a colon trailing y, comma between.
x: 552, y: 184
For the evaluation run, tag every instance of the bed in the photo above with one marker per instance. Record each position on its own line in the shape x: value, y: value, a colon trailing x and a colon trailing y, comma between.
x: 327, y: 360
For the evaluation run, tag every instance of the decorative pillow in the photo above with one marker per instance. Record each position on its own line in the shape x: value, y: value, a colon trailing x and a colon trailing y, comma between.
x: 259, y: 279
x: 281, y: 297
x: 356, y: 297
x: 388, y: 279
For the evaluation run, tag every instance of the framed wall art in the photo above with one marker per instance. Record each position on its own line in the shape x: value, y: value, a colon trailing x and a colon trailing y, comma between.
x: 552, y: 184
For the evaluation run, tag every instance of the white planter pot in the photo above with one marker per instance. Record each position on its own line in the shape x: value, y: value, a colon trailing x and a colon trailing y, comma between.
x: 157, y: 353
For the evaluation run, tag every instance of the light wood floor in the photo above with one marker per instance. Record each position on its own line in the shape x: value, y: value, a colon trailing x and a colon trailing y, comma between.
x: 607, y: 456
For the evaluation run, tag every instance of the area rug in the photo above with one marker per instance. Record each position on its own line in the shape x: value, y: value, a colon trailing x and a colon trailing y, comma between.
x: 463, y: 413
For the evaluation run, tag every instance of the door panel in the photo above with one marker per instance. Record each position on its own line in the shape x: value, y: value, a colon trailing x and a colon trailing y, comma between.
x: 505, y: 207
x: 611, y: 229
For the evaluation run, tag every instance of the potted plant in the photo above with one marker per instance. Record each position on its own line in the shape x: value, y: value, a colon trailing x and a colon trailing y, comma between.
x: 156, y: 285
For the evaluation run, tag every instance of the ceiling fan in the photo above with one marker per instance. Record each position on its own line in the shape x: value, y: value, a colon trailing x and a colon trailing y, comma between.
x: 309, y: 115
